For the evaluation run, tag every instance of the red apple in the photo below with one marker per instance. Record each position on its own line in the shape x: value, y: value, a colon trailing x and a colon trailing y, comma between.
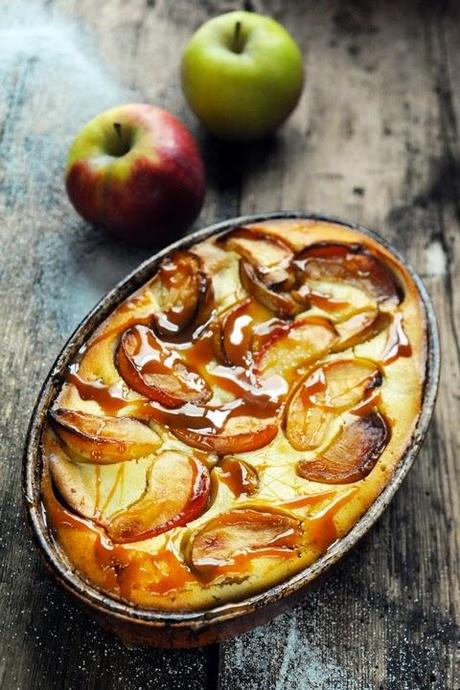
x: 137, y: 171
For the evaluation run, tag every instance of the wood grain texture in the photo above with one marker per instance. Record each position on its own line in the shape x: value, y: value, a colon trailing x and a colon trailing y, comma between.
x: 374, y: 139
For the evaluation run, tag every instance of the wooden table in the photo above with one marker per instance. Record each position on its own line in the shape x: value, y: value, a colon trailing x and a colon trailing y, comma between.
x: 375, y: 139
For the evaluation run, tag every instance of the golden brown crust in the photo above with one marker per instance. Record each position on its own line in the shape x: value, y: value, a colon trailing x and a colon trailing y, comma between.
x: 156, y: 572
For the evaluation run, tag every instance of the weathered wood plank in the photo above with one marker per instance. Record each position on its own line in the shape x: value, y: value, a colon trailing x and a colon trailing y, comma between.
x: 374, y: 139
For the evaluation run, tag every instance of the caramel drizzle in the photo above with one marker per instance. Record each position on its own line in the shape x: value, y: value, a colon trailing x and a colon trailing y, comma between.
x: 238, y: 476
x: 252, y: 398
x: 321, y: 527
x: 110, y: 398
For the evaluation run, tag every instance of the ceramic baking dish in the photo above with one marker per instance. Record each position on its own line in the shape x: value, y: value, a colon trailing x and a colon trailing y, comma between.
x: 192, y: 628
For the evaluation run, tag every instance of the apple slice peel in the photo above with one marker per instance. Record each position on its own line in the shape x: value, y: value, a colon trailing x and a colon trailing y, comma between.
x: 327, y: 391
x: 351, y: 263
x: 101, y: 439
x: 177, y: 492
x: 240, y: 434
x: 156, y: 372
x: 352, y: 454
x: 184, y: 294
x: 244, y: 533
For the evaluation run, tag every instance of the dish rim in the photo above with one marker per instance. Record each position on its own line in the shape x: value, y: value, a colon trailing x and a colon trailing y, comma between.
x: 195, y: 620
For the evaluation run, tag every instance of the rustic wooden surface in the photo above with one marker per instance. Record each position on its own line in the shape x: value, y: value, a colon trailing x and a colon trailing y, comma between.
x: 374, y: 139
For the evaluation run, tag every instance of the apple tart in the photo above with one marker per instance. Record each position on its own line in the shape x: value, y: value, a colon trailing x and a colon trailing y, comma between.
x: 236, y: 416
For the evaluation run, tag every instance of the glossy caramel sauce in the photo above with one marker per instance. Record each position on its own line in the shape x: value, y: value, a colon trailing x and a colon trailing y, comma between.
x: 322, y: 527
x: 189, y: 365
x: 110, y: 398
x: 129, y: 569
x: 240, y: 477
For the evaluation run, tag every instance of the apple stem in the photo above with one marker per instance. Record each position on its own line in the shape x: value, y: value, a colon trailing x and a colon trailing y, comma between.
x: 237, y: 42
x: 117, y: 127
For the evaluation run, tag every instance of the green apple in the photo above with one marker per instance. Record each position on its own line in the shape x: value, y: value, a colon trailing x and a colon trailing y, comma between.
x: 242, y: 75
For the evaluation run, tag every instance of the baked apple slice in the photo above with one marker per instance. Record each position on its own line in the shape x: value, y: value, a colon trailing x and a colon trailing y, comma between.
x: 353, y: 264
x: 306, y: 425
x: 79, y: 494
x: 272, y: 295
x: 266, y: 270
x: 240, y: 434
x: 259, y: 249
x: 351, y: 455
x: 346, y: 383
x: 184, y: 294
x: 311, y: 295
x: 177, y: 492
x: 397, y: 343
x: 157, y: 372
x: 95, y: 491
x: 241, y: 532
x: 328, y: 390
x: 361, y: 327
x: 295, y: 345
x: 103, y: 440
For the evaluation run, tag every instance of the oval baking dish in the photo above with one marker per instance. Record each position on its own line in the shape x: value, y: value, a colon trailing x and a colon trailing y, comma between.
x: 317, y: 395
